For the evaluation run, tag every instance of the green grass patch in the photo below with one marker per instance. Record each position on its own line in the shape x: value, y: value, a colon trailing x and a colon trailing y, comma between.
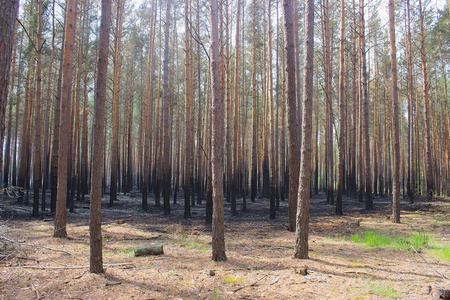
x: 377, y: 239
x: 233, y: 280
x: 441, y: 252
x: 385, y: 291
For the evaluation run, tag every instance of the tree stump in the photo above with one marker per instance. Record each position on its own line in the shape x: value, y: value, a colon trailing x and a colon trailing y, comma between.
x: 155, y: 249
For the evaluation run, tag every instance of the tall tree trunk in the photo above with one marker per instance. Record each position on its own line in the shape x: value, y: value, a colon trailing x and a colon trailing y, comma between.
x: 365, y: 109
x: 427, y: 109
x: 395, y: 112
x: 148, y: 112
x: 64, y: 132
x: 115, y: 115
x: 218, y: 238
x: 272, y: 161
x: 328, y: 103
x: 291, y: 107
x: 56, y: 130
x: 16, y: 127
x: 254, y: 159
x: 410, y: 185
x: 7, y: 161
x: 8, y: 14
x: 95, y: 225
x: 165, y: 113
x: 235, y: 171
x: 46, y: 154
x: 341, y: 141
x: 37, y: 116
x: 188, y: 116
x: 302, y: 226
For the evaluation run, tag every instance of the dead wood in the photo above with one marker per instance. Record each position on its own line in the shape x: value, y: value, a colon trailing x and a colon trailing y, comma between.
x: 154, y: 249
x: 442, y: 274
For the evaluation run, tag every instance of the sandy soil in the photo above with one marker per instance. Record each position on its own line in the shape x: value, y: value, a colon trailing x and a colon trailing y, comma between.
x: 33, y: 265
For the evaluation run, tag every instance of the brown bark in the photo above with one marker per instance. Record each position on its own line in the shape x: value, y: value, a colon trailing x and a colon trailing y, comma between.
x: 302, y: 226
x: 8, y: 14
x: 16, y: 127
x: 188, y: 117
x: 365, y: 110
x: 272, y: 162
x: 254, y: 159
x: 291, y: 107
x: 7, y: 160
x: 148, y: 113
x: 410, y: 185
x: 395, y: 112
x: 64, y: 132
x: 95, y: 229
x: 341, y: 142
x: 115, y: 115
x: 427, y: 110
x: 165, y: 112
x: 235, y: 170
x: 218, y: 238
x: 37, y: 117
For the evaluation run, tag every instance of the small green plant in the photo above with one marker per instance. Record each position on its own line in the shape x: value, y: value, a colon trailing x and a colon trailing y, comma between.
x: 376, y: 239
x: 125, y: 252
x: 216, y: 295
x: 385, y: 291
x: 441, y: 252
x: 233, y: 280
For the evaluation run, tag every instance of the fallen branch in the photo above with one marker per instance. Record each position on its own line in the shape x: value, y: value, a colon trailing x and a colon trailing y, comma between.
x: 442, y: 274
x: 74, y: 267
x: 35, y: 246
x: 251, y: 284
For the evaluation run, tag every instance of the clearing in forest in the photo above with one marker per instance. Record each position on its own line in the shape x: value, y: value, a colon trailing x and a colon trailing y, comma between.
x: 360, y: 255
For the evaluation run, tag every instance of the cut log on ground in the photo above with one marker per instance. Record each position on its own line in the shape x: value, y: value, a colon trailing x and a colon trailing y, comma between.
x: 155, y: 249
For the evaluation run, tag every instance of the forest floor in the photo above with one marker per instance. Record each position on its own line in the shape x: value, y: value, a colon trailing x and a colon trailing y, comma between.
x: 260, y: 265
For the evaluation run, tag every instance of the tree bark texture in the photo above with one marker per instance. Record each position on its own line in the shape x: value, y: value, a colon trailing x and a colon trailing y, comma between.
x: 95, y: 220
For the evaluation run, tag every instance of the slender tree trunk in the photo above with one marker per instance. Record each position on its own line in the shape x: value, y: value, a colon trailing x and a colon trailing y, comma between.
x: 235, y: 170
x: 254, y: 163
x: 218, y: 239
x: 165, y: 112
x: 148, y: 113
x: 395, y: 112
x: 341, y: 141
x: 365, y: 109
x: 188, y: 116
x: 7, y: 162
x: 95, y: 228
x: 115, y: 115
x: 64, y: 132
x: 410, y: 185
x: 8, y: 14
x: 302, y: 226
x: 16, y: 127
x: 272, y: 162
x: 37, y: 116
x: 427, y: 109
x: 56, y: 130
x: 291, y: 107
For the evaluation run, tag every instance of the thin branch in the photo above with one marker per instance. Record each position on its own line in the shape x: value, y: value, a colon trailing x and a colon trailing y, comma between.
x: 31, y: 40
x: 35, y: 246
x: 74, y: 267
x: 197, y: 40
x: 442, y: 274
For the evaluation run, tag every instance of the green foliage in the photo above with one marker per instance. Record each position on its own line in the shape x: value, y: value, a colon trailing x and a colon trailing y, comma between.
x: 441, y: 252
x: 233, y: 280
x: 376, y: 239
x: 216, y: 295
x: 385, y: 291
